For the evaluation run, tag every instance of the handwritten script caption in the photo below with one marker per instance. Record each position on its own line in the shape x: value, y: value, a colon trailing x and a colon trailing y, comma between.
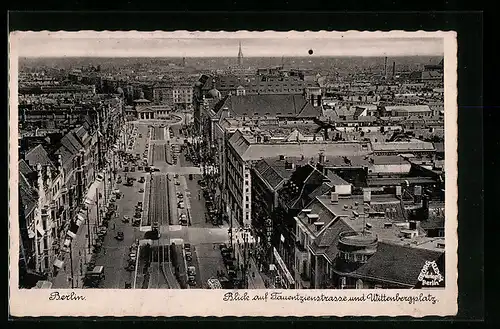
x: 304, y: 297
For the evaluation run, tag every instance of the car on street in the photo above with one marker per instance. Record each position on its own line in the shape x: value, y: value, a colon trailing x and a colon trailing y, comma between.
x: 176, y: 176
x: 142, y: 180
x: 180, y: 195
x: 183, y: 220
x: 141, y: 190
x: 189, y: 256
x: 180, y: 205
x: 191, y: 271
x: 126, y: 219
x: 177, y: 182
x: 119, y: 236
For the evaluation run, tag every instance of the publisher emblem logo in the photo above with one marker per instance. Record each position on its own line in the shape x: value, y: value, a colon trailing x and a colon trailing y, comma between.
x: 430, y: 275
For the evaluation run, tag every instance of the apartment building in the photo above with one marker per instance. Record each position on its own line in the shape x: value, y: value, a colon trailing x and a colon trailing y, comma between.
x: 348, y: 242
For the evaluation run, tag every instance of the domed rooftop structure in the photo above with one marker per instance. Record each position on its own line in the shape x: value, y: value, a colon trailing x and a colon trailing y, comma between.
x: 214, y: 93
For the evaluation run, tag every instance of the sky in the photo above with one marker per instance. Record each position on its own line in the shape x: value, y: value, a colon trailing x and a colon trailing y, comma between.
x: 224, y: 44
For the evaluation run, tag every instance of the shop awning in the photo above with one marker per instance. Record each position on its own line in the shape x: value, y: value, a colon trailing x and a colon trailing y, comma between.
x: 80, y: 218
x: 71, y: 234
x: 40, y: 230
x: 58, y: 263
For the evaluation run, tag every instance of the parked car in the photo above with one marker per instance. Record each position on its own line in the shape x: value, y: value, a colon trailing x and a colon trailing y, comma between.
x: 180, y: 205
x: 142, y: 180
x: 183, y: 220
x: 177, y: 182
x: 126, y: 219
x: 141, y: 190
x: 191, y: 271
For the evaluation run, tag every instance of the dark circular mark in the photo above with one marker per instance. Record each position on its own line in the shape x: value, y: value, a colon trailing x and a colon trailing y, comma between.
x: 310, y: 51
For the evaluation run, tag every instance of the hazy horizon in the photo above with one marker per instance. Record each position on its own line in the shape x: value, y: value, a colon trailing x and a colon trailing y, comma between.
x: 225, y: 44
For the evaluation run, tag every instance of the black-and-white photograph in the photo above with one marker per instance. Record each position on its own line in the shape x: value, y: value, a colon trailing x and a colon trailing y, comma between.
x: 231, y: 162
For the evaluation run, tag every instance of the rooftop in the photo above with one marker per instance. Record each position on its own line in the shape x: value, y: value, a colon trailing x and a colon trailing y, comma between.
x: 38, y: 155
x: 409, y: 108
x: 248, y: 148
x: 275, y: 170
x: 269, y: 105
x: 383, y: 210
x: 415, y: 145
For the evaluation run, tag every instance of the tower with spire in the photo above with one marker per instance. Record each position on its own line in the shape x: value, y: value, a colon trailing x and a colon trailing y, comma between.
x: 240, y: 56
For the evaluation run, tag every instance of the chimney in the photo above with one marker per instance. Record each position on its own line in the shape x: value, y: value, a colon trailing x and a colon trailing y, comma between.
x: 367, y: 196
x: 398, y: 191
x: 417, y: 195
x: 289, y: 165
x: 334, y: 197
x: 321, y: 158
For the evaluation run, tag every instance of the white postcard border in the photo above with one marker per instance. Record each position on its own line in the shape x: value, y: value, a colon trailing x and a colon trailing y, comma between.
x: 194, y: 302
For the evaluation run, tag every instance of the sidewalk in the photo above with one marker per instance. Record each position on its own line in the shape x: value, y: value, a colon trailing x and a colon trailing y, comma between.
x: 79, y: 249
x: 256, y: 282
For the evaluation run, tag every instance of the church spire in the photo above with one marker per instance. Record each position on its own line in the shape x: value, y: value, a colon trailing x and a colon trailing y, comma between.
x: 240, y: 56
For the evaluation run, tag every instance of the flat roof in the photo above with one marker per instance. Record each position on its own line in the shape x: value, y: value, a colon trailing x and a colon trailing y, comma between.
x: 356, y: 217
